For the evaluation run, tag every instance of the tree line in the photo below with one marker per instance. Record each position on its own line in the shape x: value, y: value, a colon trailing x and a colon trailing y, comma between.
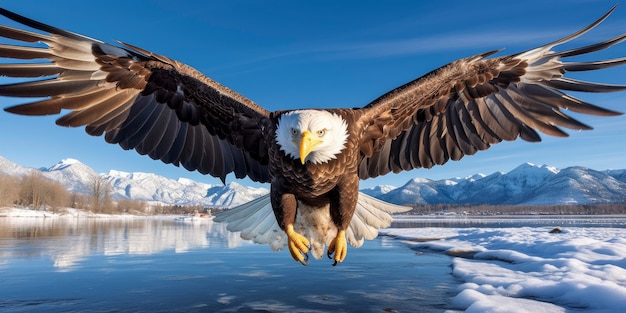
x: 555, y: 209
x: 37, y: 192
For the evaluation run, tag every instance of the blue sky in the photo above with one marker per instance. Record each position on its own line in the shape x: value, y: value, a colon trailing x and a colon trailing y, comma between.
x: 296, y: 54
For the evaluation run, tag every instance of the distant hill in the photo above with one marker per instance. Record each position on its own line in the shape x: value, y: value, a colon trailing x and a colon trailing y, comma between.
x: 528, y: 184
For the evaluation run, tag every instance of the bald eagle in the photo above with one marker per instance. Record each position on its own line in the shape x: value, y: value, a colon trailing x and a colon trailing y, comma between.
x: 313, y: 158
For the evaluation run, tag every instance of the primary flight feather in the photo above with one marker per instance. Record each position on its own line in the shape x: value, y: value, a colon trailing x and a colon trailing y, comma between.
x: 313, y: 158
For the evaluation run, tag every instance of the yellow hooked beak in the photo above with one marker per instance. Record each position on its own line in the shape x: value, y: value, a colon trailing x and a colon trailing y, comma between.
x: 307, y: 144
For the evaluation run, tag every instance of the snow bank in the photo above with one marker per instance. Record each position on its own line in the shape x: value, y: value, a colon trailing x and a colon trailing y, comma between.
x: 529, y: 269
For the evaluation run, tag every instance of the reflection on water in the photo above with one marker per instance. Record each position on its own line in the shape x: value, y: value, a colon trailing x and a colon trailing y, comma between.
x: 460, y: 221
x: 77, y: 238
x: 135, y: 264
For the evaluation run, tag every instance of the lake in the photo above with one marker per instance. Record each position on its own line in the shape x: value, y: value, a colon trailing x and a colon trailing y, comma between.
x: 135, y: 264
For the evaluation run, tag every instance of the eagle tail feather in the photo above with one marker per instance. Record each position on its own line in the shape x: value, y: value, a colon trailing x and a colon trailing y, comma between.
x: 255, y: 220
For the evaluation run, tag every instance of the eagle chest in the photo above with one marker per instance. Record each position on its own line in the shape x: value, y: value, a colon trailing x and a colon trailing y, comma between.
x: 314, y: 180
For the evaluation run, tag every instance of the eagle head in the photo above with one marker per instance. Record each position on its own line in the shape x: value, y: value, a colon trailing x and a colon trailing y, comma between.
x: 317, y: 136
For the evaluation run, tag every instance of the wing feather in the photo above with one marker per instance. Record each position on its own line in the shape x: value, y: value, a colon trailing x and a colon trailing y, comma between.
x: 153, y: 132
x: 169, y: 136
x: 93, y: 111
x: 137, y: 99
x: 424, y: 156
x: 139, y: 115
x: 198, y: 157
x: 112, y: 120
x: 472, y: 129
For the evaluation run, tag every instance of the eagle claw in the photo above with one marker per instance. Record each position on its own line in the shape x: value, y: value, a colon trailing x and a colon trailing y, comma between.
x: 298, y: 245
x: 305, y: 261
x: 338, y: 247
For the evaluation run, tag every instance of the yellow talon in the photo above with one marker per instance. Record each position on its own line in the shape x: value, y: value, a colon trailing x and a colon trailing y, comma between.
x: 339, y: 247
x: 298, y: 245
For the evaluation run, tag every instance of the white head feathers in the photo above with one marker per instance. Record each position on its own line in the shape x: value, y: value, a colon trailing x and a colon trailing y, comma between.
x: 329, y: 130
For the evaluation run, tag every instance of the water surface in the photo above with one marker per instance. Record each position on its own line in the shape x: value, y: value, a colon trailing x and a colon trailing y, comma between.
x: 502, y: 221
x: 136, y: 264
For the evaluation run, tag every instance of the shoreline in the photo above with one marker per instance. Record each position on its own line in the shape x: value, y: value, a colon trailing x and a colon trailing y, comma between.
x: 70, y: 213
x: 79, y: 213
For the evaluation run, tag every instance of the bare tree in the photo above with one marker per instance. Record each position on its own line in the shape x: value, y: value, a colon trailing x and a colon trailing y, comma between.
x: 56, y: 196
x: 8, y: 190
x: 79, y: 201
x: 38, y: 192
x: 100, y: 195
x: 30, y: 194
x: 131, y: 206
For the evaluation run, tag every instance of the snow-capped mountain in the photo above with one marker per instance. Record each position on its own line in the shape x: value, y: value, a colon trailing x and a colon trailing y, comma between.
x: 617, y: 174
x: 528, y: 184
x: 74, y: 175
x: 12, y: 169
x: 152, y: 187
x: 78, y: 177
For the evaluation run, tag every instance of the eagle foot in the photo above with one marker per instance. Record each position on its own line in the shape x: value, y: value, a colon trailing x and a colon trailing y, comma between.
x: 298, y: 245
x: 338, y: 247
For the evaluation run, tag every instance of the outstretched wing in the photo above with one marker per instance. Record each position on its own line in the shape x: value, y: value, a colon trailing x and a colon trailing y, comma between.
x: 138, y: 99
x: 472, y: 103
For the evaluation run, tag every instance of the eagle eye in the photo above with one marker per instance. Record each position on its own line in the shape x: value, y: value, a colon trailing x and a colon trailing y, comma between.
x: 321, y: 133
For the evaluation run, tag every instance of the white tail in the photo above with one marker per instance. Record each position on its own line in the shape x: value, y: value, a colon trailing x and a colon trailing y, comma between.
x: 255, y: 220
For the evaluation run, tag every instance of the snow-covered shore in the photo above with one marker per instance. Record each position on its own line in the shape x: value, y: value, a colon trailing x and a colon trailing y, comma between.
x: 67, y: 212
x: 529, y: 269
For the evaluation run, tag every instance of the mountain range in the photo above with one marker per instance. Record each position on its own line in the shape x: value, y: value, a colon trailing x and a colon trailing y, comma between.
x: 528, y: 184
x: 77, y: 177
